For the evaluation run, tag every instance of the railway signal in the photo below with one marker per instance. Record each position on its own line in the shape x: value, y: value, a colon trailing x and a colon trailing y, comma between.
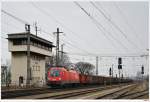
x: 142, y: 69
x: 110, y: 71
x: 119, y: 66
x: 110, y: 74
x: 119, y: 60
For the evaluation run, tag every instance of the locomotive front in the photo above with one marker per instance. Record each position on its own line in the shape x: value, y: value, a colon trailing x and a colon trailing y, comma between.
x: 54, y: 77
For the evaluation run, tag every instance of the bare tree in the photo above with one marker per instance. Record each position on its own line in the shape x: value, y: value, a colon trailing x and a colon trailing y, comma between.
x: 84, y: 68
x: 6, y: 74
x: 63, y: 61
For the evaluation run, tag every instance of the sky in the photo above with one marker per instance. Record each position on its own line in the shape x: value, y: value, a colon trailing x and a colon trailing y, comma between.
x: 121, y: 28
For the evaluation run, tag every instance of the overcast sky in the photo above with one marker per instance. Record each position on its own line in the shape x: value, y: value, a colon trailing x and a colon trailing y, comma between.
x: 81, y: 35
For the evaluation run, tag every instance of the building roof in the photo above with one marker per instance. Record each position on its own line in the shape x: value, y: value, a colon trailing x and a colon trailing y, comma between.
x: 23, y: 35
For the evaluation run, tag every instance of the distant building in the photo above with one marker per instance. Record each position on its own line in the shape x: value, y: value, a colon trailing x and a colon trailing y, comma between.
x: 39, y: 50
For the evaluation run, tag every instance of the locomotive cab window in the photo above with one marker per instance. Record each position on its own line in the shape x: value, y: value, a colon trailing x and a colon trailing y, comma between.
x: 55, y: 73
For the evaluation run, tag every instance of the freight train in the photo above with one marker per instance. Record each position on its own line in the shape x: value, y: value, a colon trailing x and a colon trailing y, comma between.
x: 60, y: 76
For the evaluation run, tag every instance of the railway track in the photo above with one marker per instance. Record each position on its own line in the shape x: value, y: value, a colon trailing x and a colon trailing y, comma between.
x: 63, y: 93
x: 17, y: 93
x: 135, y: 95
x: 77, y: 93
x: 124, y: 91
x: 127, y: 93
x: 117, y: 94
x: 66, y: 95
x: 20, y: 93
x: 137, y: 92
x: 105, y: 93
x: 12, y: 94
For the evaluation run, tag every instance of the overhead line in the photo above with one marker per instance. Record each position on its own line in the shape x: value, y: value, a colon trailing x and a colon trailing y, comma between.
x: 18, y: 19
x: 77, y: 47
x: 126, y: 21
x: 116, y: 26
x: 102, y: 55
x: 119, y: 42
x: 22, y: 21
x: 25, y: 22
x: 58, y: 23
x: 94, y: 21
x: 14, y: 26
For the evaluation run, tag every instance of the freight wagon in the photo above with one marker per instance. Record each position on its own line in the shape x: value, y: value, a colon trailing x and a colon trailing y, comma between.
x: 59, y: 76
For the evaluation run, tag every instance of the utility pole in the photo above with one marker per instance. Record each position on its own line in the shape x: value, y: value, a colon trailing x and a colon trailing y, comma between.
x: 112, y: 69
x: 27, y: 28
x: 122, y: 76
x: 96, y: 65
x: 62, y: 54
x: 62, y: 45
x: 57, y: 46
x: 36, y: 28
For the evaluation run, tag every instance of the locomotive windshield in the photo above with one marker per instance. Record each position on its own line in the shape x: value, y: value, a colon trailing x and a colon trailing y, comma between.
x: 54, y: 73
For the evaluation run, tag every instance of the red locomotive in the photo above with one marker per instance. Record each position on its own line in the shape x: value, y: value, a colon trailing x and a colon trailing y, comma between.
x: 59, y: 76
x: 62, y: 76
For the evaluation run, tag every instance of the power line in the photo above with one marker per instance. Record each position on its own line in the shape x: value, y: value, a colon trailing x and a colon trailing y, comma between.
x: 16, y: 18
x: 13, y: 26
x: 104, y: 10
x: 25, y: 22
x: 99, y: 26
x: 94, y: 21
x: 115, y: 25
x: 126, y: 21
x: 117, y: 40
x: 16, y: 27
x: 106, y: 55
x: 57, y: 21
x: 41, y: 10
x: 22, y: 21
x: 76, y: 47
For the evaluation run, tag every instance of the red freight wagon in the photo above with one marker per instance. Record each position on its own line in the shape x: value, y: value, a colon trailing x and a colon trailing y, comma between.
x: 82, y: 79
x: 101, y: 81
x: 86, y: 79
x: 89, y: 79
